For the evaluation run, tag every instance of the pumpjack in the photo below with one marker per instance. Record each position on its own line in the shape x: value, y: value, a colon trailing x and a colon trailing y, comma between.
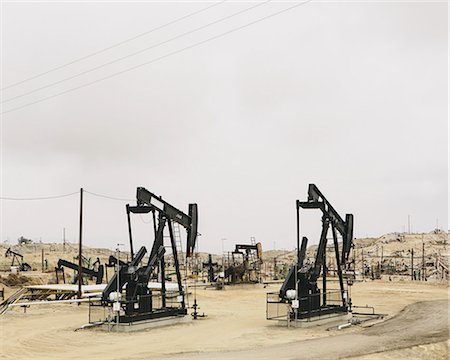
x: 211, y: 266
x: 244, y: 264
x: 139, y: 302
x: 17, y: 259
x: 96, y: 272
x: 300, y: 288
x: 112, y: 263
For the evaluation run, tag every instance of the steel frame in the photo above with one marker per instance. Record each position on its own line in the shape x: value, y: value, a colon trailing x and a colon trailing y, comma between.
x: 303, y: 278
x: 138, y: 303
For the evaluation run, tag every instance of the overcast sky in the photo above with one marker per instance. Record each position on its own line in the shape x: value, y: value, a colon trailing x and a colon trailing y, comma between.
x: 351, y: 96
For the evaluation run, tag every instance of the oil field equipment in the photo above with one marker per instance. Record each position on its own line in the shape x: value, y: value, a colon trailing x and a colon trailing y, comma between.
x: 280, y: 268
x: 17, y: 260
x: 24, y: 241
x: 211, y: 268
x: 112, y: 263
x: 243, y: 265
x: 300, y: 291
x: 97, y: 271
x: 85, y: 261
x: 141, y: 301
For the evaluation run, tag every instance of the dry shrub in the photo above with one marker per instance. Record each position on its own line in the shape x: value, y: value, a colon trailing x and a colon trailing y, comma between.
x: 18, y: 280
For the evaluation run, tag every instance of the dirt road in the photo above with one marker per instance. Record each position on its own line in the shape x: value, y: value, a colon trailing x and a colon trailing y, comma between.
x: 420, y: 323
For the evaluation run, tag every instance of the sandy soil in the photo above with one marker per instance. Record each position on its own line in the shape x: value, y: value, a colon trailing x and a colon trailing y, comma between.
x: 419, y: 323
x: 436, y: 351
x: 236, y: 321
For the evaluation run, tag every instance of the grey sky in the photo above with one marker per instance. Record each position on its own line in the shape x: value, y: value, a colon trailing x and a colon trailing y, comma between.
x: 349, y: 96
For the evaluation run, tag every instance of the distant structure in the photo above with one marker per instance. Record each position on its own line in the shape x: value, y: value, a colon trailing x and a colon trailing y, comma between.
x: 211, y: 268
x: 243, y: 265
x: 24, y: 241
x: 17, y: 261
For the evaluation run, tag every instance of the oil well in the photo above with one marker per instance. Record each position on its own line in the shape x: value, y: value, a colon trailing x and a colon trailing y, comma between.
x: 302, y: 299
x: 90, y: 271
x: 17, y: 262
x: 243, y: 265
x: 130, y: 296
x: 212, y: 269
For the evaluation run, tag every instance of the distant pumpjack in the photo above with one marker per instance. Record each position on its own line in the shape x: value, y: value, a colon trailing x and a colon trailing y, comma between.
x: 93, y: 273
x: 244, y: 260
x: 17, y: 260
x: 211, y: 266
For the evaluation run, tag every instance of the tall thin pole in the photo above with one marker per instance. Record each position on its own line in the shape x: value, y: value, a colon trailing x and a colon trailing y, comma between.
x: 324, y: 278
x: 362, y: 263
x: 223, y: 265
x: 412, y: 264
x: 64, y: 239
x: 423, y: 259
x: 119, y: 290
x: 80, y: 274
x: 298, y: 232
x: 296, y: 294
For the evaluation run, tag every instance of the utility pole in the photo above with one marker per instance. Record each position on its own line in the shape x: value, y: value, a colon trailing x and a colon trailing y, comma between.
x: 296, y: 294
x: 119, y: 290
x: 298, y: 232
x: 423, y: 259
x: 412, y: 264
x: 64, y: 239
x: 324, y: 277
x: 80, y: 274
x: 362, y: 262
x: 223, y: 264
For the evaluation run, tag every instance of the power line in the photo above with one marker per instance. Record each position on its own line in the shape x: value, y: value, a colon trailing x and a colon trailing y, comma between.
x: 115, y: 45
x: 136, y: 52
x: 160, y: 57
x: 107, y: 196
x: 40, y: 198
x: 65, y: 195
x: 118, y: 199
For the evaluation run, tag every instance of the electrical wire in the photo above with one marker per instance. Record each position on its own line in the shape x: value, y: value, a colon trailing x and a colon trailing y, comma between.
x: 136, y: 52
x: 65, y: 195
x: 160, y: 57
x: 107, y: 196
x: 115, y: 45
x: 40, y: 198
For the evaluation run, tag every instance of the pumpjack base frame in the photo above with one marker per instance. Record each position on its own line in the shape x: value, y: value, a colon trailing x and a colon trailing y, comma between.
x: 153, y: 315
x: 324, y: 311
x: 147, y: 324
x: 324, y: 319
x: 241, y: 283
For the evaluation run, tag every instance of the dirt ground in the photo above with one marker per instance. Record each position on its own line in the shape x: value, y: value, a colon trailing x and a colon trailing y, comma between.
x: 236, y: 328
